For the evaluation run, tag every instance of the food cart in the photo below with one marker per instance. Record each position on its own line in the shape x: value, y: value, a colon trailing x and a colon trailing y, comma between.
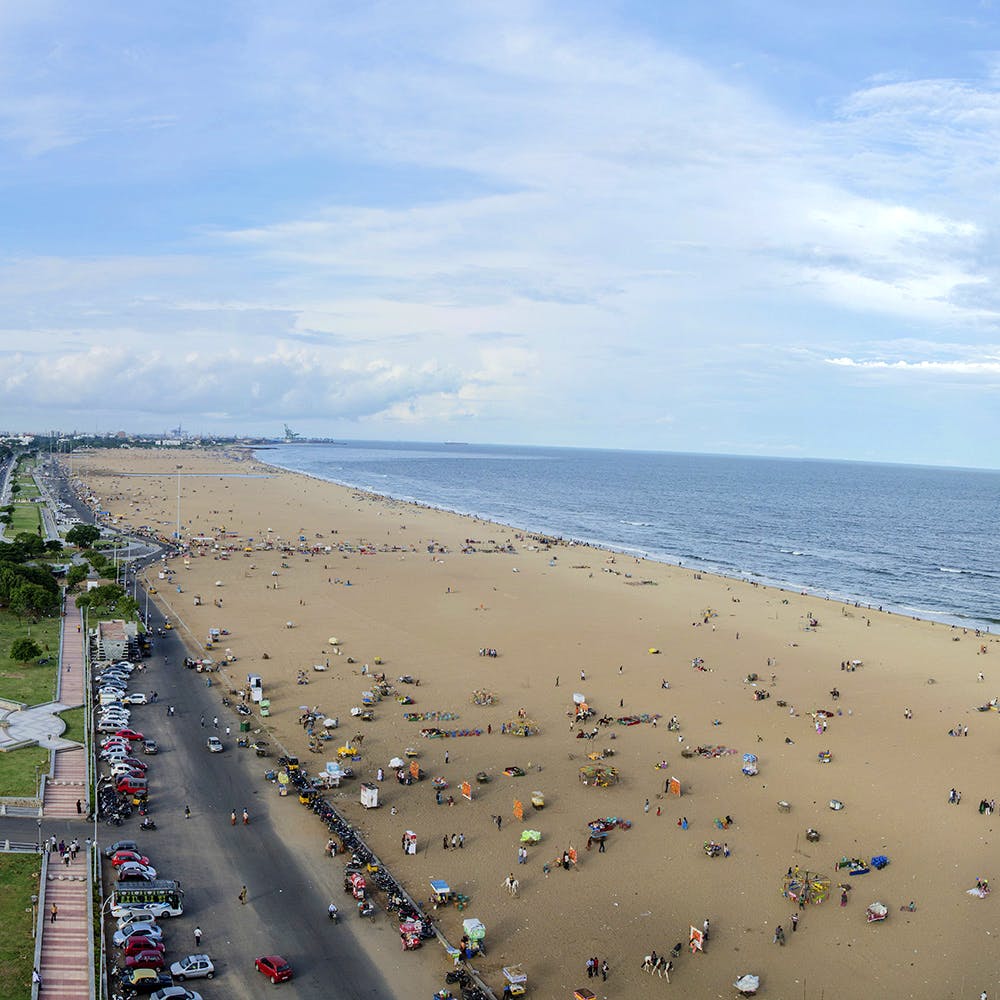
x: 369, y: 795
x: 517, y: 980
x: 475, y: 934
x: 441, y: 892
x: 410, y: 934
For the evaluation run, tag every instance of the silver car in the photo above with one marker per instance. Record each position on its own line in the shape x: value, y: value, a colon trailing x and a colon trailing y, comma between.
x: 193, y: 967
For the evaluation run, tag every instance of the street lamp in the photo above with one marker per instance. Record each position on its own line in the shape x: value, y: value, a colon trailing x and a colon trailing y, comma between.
x: 179, y: 503
x: 34, y: 913
x: 39, y: 824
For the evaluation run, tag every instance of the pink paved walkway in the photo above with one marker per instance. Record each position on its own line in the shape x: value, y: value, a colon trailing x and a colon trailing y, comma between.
x: 71, y: 662
x: 69, y: 781
x: 66, y: 944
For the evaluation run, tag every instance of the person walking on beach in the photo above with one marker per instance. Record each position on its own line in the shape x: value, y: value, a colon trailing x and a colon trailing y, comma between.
x: 243, y: 896
x: 604, y: 970
x: 779, y: 936
x: 795, y: 922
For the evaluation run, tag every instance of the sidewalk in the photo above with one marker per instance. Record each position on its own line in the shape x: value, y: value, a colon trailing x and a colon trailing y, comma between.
x: 65, y: 948
x: 65, y: 951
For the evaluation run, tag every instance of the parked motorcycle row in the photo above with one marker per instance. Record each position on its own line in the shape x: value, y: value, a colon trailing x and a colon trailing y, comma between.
x: 364, y: 872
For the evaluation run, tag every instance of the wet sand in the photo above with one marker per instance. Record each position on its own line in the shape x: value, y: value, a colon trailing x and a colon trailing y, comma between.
x: 552, y: 612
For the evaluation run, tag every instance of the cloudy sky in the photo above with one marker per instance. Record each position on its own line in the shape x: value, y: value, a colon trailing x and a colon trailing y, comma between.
x: 747, y: 226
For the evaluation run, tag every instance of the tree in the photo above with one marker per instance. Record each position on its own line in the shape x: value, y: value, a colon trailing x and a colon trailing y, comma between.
x: 75, y: 574
x: 83, y: 535
x: 31, y: 601
x: 53, y: 545
x: 22, y: 650
x: 31, y: 543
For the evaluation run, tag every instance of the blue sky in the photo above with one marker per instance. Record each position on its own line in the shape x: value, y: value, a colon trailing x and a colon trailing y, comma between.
x: 752, y: 228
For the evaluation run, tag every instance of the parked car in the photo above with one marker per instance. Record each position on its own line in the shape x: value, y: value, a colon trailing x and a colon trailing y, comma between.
x: 214, y: 744
x: 139, y: 944
x: 150, y: 747
x: 137, y: 698
x: 130, y: 734
x: 132, y: 872
x: 136, y: 917
x: 121, y: 845
x: 144, y: 980
x: 193, y: 967
x: 175, y: 993
x: 120, y: 858
x: 274, y: 967
x: 138, y: 928
x: 150, y: 958
x: 154, y: 910
x: 131, y: 785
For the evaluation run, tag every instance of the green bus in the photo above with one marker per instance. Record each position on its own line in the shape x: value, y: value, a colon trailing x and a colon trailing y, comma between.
x: 162, y: 895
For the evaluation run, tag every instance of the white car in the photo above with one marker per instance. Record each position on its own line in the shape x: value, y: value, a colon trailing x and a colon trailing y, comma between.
x: 174, y: 993
x: 193, y: 967
x: 139, y: 698
x: 138, y: 928
x: 131, y: 917
x: 132, y: 871
x: 154, y: 910
x: 214, y: 744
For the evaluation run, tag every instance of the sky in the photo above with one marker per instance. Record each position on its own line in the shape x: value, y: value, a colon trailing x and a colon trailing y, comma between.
x: 760, y: 228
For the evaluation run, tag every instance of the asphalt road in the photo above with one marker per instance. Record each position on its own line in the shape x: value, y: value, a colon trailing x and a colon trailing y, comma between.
x: 289, y: 885
x: 278, y: 856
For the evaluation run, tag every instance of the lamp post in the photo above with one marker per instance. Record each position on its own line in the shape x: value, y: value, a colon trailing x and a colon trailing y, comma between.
x: 178, y: 504
x: 34, y: 913
x: 39, y: 827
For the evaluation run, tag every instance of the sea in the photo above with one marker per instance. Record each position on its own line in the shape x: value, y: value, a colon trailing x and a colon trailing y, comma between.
x: 916, y: 540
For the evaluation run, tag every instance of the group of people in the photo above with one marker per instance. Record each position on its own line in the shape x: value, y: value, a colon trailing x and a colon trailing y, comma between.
x: 597, y: 968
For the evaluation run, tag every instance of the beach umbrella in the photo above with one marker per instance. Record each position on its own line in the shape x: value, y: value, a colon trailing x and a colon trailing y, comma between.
x: 333, y: 640
x: 397, y: 762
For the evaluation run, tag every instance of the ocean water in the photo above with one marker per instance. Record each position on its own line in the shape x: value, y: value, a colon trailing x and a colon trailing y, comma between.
x: 914, y: 539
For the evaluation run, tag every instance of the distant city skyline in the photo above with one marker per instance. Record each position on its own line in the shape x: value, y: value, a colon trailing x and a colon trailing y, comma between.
x: 743, y: 228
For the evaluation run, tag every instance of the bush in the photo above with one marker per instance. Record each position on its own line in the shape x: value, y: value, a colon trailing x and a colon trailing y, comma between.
x: 83, y: 535
x: 24, y: 649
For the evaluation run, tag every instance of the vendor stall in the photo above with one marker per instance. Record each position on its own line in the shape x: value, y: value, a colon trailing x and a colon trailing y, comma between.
x: 599, y: 775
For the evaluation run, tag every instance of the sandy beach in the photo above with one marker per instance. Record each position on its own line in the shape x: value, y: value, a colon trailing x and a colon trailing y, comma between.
x: 424, y: 591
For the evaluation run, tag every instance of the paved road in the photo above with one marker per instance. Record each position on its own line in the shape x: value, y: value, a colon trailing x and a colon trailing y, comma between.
x: 289, y: 885
x: 279, y: 856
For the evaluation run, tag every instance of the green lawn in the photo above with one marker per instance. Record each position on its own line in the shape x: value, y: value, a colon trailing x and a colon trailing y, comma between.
x: 17, y: 771
x: 74, y: 720
x: 29, y: 682
x: 19, y: 875
x: 28, y: 487
x: 26, y: 517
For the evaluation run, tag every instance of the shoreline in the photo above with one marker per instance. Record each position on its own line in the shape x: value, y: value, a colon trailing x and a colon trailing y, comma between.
x: 427, y: 611
x: 952, y: 620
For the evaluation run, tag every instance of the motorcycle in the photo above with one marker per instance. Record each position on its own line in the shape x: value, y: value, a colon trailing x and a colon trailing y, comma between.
x: 332, y: 913
x: 147, y: 824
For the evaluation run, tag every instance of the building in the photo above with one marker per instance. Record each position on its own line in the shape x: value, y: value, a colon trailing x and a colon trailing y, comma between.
x: 114, y: 640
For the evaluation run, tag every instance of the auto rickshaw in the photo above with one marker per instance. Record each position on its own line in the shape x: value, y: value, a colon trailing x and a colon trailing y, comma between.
x: 289, y: 763
x: 355, y: 884
x: 538, y: 800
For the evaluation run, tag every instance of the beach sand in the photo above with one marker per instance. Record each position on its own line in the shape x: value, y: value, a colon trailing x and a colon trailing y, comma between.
x: 552, y: 612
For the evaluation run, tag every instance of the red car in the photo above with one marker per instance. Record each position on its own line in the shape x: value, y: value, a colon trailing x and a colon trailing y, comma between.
x: 148, y: 958
x: 129, y: 734
x: 120, y: 857
x: 142, y: 945
x: 135, y: 764
x: 274, y: 967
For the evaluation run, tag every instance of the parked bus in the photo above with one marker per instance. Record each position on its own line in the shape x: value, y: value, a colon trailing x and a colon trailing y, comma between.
x: 135, y: 895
